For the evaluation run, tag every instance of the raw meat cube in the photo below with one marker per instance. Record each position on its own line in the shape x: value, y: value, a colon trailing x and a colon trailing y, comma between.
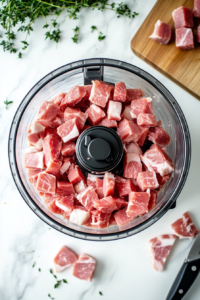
x: 120, y: 92
x: 157, y: 160
x: 142, y: 105
x: 147, y: 180
x: 107, y: 123
x: 57, y: 100
x: 105, y: 205
x: 132, y: 94
x: 33, y: 172
x: 137, y: 204
x: 31, y: 149
x: 52, y: 132
x: 71, y: 113
x: 108, y: 184
x: 34, y: 160
x: 54, y: 168
x: 132, y: 165
x: 66, y: 165
x: 35, y: 140
x: 46, y: 183
x: 127, y: 113
x: 163, y: 179
x: 84, y: 267
x: 75, y: 175
x: 121, y: 217
x: 132, y: 148
x: 159, y: 136
x: 66, y: 203
x: 95, y: 114
x: 160, y: 248
x: 91, y: 180
x: 153, y: 200
x: 47, y: 112
x: 184, y: 227
x: 100, y: 92
x: 73, y: 97
x: 124, y: 186
x: 196, y: 9
x: 65, y: 258
x: 87, y: 197
x: 128, y: 131
x: 51, y: 205
x: 99, y: 219
x: 120, y: 202
x: 55, y: 122
x: 182, y: 17
x: 162, y: 32
x: 112, y: 221
x: 36, y: 127
x: 80, y: 186
x: 184, y: 39
x: 144, y: 134
x: 68, y: 131
x: 88, y: 89
x: 99, y: 187
x: 146, y: 120
x: 52, y: 147
x: 114, y: 110
x: 79, y: 215
x: 198, y: 33
x: 65, y: 188
x: 68, y: 149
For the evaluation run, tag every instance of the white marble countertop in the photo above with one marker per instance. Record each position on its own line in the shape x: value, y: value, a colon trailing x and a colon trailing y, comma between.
x: 124, y: 269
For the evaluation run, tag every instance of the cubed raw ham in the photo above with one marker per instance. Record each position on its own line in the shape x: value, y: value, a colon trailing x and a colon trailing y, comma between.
x: 107, y: 123
x: 91, y: 180
x: 100, y: 219
x: 146, y: 120
x: 121, y: 217
x: 51, y: 148
x: 100, y: 92
x: 162, y: 33
x: 142, y: 105
x: 73, y: 97
x: 65, y: 188
x: 99, y: 187
x: 84, y: 267
x: 132, y: 148
x: 137, y: 204
x: 147, y: 180
x: 196, y: 9
x: 114, y: 110
x: 108, y: 184
x: 65, y: 166
x: 46, y: 183
x: 47, y: 112
x: 79, y: 215
x: 54, y: 168
x: 112, y: 221
x: 71, y: 113
x: 184, y: 39
x: 75, y: 175
x: 68, y: 149
x: 153, y: 200
x: 31, y: 149
x: 57, y: 100
x: 95, y: 114
x: 157, y: 160
x: 88, y: 89
x: 198, y: 34
x: 128, y: 131
x: 163, y: 179
x: 127, y: 113
x: 120, y: 92
x: 183, y: 17
x: 132, y: 165
x: 36, y: 127
x: 68, y: 131
x: 64, y: 259
x: 55, y: 122
x: 160, y: 248
x: 66, y: 203
x: 105, y: 205
x: 184, y: 227
x: 80, y: 186
x: 132, y: 94
x: 34, y: 160
x: 120, y: 202
x: 51, y: 205
x: 159, y: 136
x: 35, y: 140
x: 124, y: 186
x: 144, y: 133
x: 52, y: 132
x: 33, y: 175
x: 87, y: 198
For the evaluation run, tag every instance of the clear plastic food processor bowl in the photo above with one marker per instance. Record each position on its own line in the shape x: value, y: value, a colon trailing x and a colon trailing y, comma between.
x: 165, y: 107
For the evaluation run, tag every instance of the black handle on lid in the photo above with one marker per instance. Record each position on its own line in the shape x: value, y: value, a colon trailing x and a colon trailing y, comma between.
x: 93, y: 73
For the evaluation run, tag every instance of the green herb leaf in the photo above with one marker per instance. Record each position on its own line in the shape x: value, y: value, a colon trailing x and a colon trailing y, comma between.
x: 93, y: 28
x: 33, y: 264
x: 75, y: 37
x: 19, y: 55
x: 51, y: 271
x: 101, y: 37
x: 39, y: 270
x: 100, y: 293
x: 65, y: 281
x: 54, y: 276
x: 57, y: 284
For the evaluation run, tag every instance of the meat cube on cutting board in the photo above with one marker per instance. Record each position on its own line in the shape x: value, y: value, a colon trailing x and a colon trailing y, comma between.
x: 64, y: 259
x: 162, y: 33
x: 84, y: 267
x: 183, y: 17
x: 185, y: 227
x: 184, y: 39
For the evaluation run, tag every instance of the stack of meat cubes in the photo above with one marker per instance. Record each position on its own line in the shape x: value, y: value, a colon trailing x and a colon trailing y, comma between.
x: 92, y: 201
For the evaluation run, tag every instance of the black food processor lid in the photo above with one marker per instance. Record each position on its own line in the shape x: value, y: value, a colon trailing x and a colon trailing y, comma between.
x: 99, y: 149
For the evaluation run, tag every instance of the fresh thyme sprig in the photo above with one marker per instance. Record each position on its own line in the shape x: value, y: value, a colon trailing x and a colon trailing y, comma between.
x: 75, y: 37
x: 100, y: 36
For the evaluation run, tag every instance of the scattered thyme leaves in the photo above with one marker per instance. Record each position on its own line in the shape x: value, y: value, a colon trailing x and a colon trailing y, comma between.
x: 65, y: 281
x: 39, y: 270
x: 33, y: 264
x: 50, y: 297
x: 75, y: 37
x: 7, y: 103
x: 100, y: 293
x: 100, y: 36
x: 51, y: 271
x: 55, y: 276
x: 57, y: 284
x: 93, y: 28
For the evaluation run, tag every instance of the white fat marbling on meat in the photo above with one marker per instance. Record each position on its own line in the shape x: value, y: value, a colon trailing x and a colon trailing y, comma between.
x: 79, y: 216
x: 36, y: 127
x: 63, y: 207
x: 65, y: 167
x: 73, y: 133
x: 132, y: 157
x: 39, y: 144
x: 31, y: 149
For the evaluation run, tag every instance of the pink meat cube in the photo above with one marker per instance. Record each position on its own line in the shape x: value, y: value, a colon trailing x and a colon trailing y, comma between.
x: 68, y: 149
x: 66, y: 204
x: 184, y: 39
x: 120, y: 202
x: 65, y: 188
x: 184, y: 227
x: 36, y: 127
x: 162, y: 33
x: 73, y: 97
x: 146, y: 120
x: 80, y: 186
x: 68, y: 131
x: 57, y: 100
x: 75, y: 175
x: 142, y: 105
x: 108, y: 184
x: 46, y: 183
x: 91, y: 180
x: 87, y: 198
x: 121, y: 217
x: 183, y: 17
x: 54, y: 168
x: 198, y: 33
x: 132, y: 148
x: 128, y: 131
x: 127, y: 113
x: 132, y: 94
x: 99, y: 186
x: 144, y: 134
x: 33, y: 175
x: 35, y: 140
x: 51, y: 148
x: 124, y: 186
x: 65, y: 166
x: 100, y: 219
x: 100, y: 92
x: 51, y: 205
x: 160, y: 248
x: 55, y: 122
x: 137, y: 204
x: 105, y: 205
x: 47, y: 112
x: 107, y: 123
x: 34, y: 160
x: 64, y: 259
x: 196, y: 9
x: 84, y: 267
x: 71, y: 113
x: 95, y: 114
x: 157, y: 160
x: 162, y: 179
x: 79, y: 215
x: 147, y: 180
x: 120, y: 92
x: 153, y: 200
x: 132, y: 165
x: 88, y: 89
x: 114, y: 110
x: 159, y: 136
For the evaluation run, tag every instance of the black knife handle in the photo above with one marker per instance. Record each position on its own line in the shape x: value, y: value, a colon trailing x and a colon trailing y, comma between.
x: 185, y: 278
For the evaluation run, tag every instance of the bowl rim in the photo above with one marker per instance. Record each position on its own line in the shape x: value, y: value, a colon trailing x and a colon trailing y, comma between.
x: 165, y: 93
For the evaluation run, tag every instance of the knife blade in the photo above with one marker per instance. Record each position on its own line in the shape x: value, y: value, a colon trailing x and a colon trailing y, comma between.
x: 188, y: 272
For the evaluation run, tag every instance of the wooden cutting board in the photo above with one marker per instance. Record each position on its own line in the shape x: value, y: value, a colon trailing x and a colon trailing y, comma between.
x: 183, y: 67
